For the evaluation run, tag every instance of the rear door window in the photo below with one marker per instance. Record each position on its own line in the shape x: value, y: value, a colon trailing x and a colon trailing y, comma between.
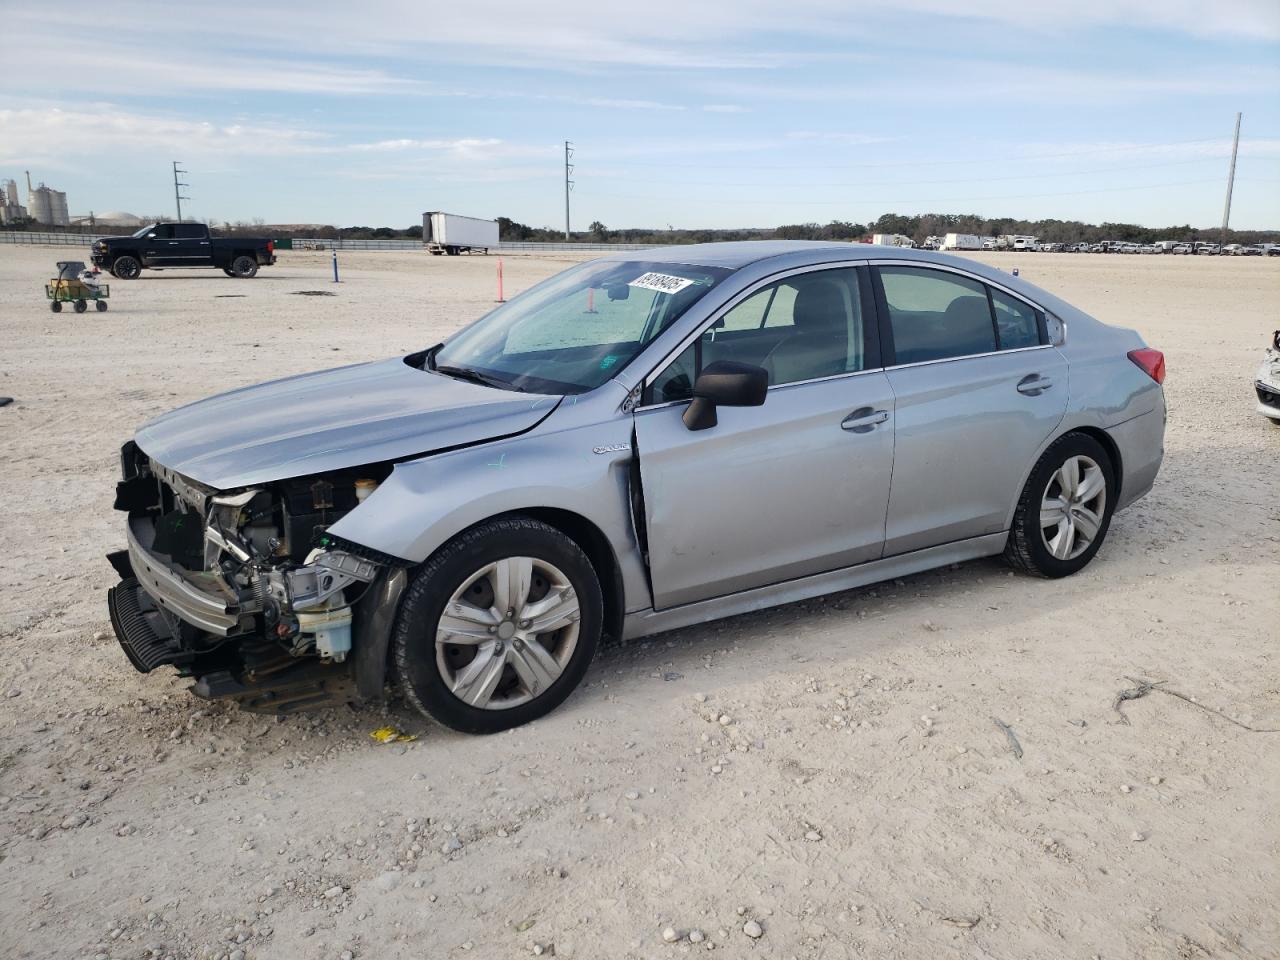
x: 936, y: 315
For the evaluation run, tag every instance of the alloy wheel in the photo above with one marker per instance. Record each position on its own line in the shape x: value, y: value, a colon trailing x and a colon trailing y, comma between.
x: 1072, y: 507
x: 507, y: 633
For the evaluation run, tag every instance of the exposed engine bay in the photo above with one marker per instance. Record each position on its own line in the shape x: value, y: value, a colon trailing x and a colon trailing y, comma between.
x: 241, y: 589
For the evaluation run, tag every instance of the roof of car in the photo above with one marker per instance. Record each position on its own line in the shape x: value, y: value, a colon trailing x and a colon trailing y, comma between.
x: 740, y: 253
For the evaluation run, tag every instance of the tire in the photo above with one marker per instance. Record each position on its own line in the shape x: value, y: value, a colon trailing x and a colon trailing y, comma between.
x: 1063, y: 547
x: 430, y: 664
x: 227, y: 271
x: 81, y: 306
x: 451, y: 251
x: 55, y: 306
x: 102, y: 306
x: 126, y: 268
x: 244, y: 267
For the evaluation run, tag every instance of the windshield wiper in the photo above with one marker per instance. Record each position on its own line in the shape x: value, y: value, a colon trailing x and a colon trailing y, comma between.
x: 473, y: 376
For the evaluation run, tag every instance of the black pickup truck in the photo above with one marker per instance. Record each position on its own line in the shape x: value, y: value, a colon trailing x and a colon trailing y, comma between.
x: 162, y: 245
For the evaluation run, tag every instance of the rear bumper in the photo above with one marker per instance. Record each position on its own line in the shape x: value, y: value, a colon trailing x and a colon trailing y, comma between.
x: 1141, y: 445
x: 171, y: 590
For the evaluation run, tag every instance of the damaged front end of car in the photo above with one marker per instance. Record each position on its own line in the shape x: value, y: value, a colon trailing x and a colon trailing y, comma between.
x: 244, y: 591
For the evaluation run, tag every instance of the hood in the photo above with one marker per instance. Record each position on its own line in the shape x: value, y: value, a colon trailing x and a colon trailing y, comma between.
x: 368, y: 413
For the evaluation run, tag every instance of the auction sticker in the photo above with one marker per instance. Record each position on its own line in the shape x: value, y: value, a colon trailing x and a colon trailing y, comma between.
x: 662, y: 282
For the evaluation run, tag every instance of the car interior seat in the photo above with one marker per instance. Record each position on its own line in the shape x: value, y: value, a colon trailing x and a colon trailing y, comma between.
x: 819, y: 346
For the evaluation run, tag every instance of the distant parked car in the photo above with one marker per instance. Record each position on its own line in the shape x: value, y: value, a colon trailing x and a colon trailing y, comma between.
x: 1253, y: 250
x: 1271, y: 249
x: 644, y: 442
x: 1183, y: 248
x: 1233, y: 250
x: 1204, y: 248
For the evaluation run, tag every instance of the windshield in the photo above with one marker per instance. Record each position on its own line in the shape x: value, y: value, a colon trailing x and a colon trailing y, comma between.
x: 573, y: 332
x: 144, y: 231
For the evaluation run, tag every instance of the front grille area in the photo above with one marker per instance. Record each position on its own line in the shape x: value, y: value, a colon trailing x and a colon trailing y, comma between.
x: 141, y: 629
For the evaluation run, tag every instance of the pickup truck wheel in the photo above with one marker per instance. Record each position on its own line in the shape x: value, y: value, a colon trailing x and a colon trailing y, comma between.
x: 126, y: 268
x: 244, y: 267
x: 499, y: 626
x: 227, y: 271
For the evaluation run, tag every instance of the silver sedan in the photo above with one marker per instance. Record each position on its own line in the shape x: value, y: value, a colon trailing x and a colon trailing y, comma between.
x: 643, y: 442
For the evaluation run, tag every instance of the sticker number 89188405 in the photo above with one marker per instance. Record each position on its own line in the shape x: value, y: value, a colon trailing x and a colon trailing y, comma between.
x: 662, y: 282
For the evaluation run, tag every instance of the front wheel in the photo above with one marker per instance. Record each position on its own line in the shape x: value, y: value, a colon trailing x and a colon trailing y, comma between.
x: 55, y: 306
x: 498, y: 628
x: 126, y: 268
x: 244, y: 267
x: 1065, y: 509
x: 102, y: 306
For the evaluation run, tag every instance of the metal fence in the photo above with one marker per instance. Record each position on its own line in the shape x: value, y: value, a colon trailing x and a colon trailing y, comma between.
x: 30, y: 238
x: 35, y: 238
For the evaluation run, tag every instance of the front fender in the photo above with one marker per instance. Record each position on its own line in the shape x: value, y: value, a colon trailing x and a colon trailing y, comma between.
x: 425, y: 503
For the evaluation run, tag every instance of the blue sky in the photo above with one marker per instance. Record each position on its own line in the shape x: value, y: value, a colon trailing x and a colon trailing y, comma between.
x: 750, y: 113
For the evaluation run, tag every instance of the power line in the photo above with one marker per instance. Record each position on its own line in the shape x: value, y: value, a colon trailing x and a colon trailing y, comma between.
x: 178, y: 196
x: 911, y: 200
x: 929, y: 163
x: 568, y: 184
x: 864, y: 183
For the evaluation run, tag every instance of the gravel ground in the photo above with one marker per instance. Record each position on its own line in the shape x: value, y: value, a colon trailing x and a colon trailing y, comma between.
x: 822, y: 780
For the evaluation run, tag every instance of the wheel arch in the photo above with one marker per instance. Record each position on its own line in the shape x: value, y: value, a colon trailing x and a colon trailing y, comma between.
x: 1091, y: 430
x: 587, y: 535
x: 373, y: 661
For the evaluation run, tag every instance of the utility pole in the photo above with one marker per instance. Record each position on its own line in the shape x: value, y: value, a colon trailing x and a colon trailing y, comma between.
x: 1231, y: 180
x: 568, y: 185
x: 177, y: 191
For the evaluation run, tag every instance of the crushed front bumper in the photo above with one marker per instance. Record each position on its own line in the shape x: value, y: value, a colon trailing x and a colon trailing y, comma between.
x: 169, y: 588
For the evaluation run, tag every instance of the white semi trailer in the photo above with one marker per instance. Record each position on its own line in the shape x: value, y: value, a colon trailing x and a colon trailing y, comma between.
x: 452, y: 234
x: 962, y: 241
x: 891, y: 240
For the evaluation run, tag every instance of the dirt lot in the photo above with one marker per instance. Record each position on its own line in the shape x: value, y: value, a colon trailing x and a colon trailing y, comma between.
x: 829, y: 770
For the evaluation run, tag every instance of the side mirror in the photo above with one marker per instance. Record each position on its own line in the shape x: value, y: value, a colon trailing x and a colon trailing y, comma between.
x: 725, y: 382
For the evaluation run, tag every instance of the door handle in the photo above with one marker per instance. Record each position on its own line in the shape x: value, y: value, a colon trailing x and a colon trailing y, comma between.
x: 1033, y: 384
x: 864, y: 420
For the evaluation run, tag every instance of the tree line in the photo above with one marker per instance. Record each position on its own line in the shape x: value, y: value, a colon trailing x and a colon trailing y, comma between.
x: 917, y: 227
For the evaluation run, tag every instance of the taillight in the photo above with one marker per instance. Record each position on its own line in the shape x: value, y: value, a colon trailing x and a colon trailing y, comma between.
x: 1151, y: 362
x: 271, y: 246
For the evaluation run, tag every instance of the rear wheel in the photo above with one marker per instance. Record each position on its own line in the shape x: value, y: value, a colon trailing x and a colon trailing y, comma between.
x: 244, y: 267
x: 81, y: 306
x: 1065, y: 509
x: 126, y: 268
x: 102, y: 306
x: 499, y: 627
